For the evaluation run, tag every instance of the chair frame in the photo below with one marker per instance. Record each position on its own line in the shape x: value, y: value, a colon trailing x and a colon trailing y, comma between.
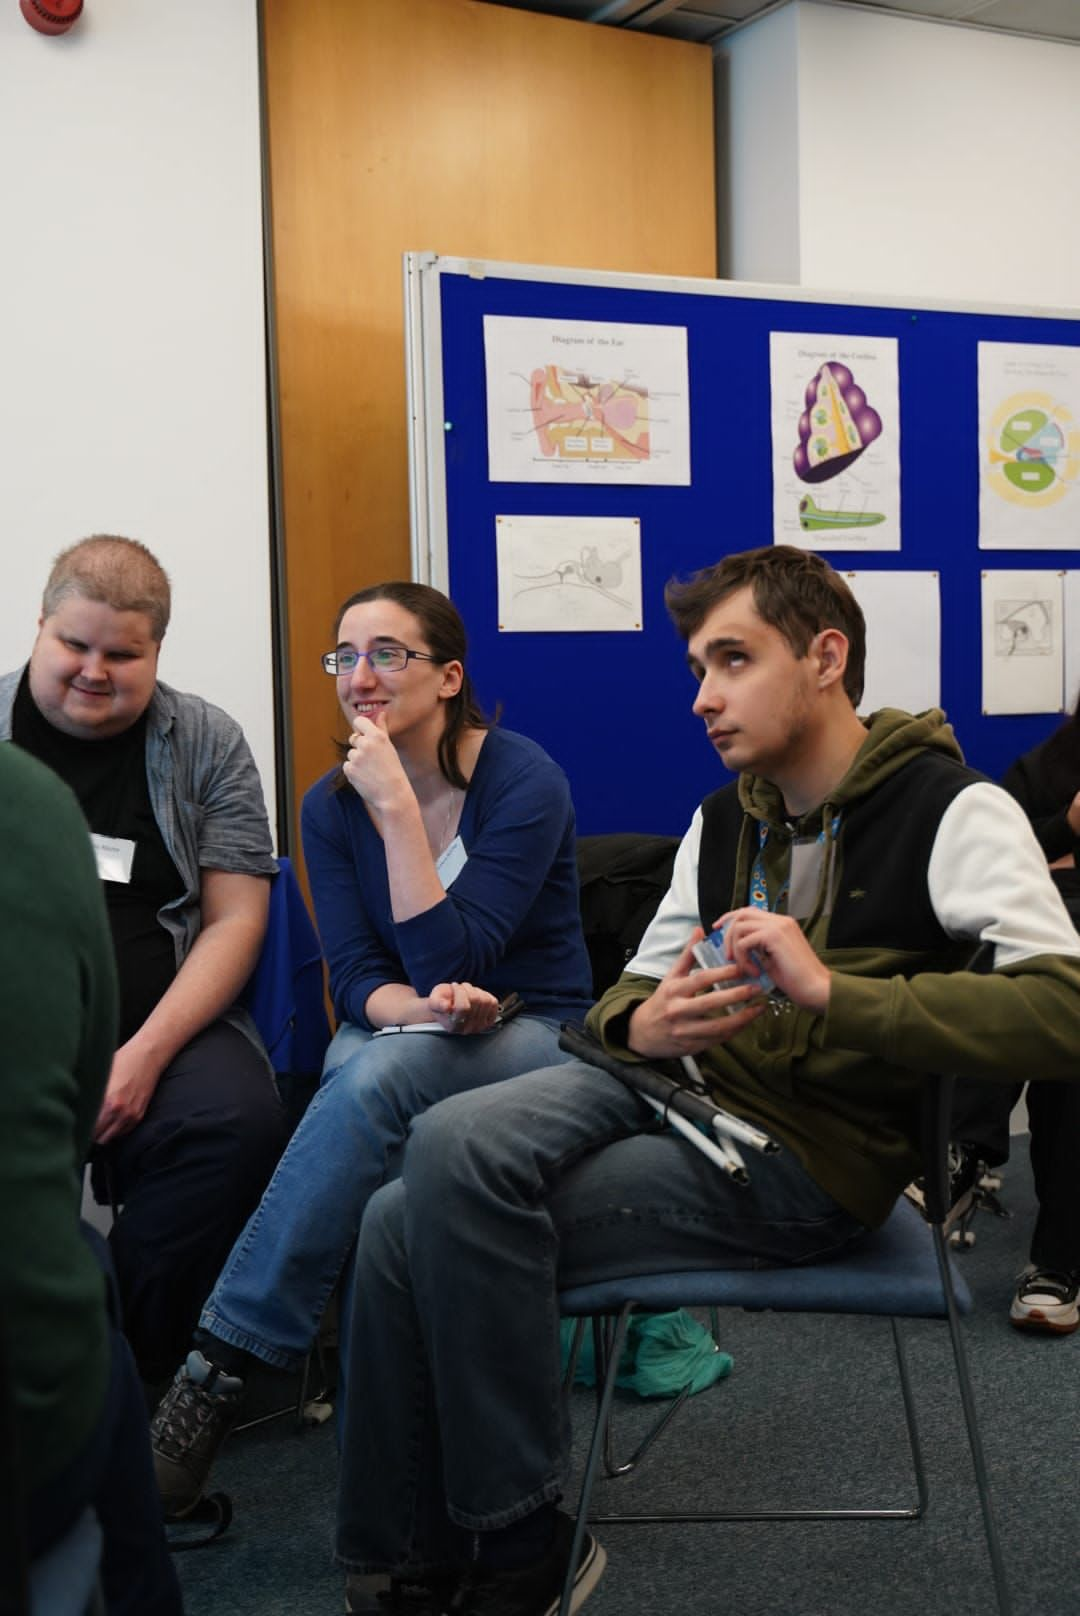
x: 610, y: 1328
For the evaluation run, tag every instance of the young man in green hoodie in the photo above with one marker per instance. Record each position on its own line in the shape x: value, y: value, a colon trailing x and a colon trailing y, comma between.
x: 858, y: 863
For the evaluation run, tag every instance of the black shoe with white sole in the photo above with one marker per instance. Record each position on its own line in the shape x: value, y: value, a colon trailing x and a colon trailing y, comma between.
x: 1047, y: 1301
x: 535, y: 1590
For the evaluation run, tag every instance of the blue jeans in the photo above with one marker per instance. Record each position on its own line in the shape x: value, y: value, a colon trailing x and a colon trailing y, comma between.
x: 278, y: 1279
x: 556, y: 1179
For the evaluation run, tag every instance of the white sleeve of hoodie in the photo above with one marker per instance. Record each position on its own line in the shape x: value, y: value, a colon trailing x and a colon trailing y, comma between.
x: 669, y: 930
x: 988, y: 879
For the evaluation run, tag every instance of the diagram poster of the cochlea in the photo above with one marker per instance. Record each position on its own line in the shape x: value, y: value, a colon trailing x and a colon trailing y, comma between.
x: 835, y: 441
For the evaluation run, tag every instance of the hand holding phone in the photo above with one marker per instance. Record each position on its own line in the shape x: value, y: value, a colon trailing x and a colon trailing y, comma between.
x: 711, y: 954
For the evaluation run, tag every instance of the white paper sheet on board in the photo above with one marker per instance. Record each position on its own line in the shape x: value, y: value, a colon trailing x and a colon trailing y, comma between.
x: 586, y: 401
x: 835, y: 441
x: 570, y: 574
x: 1029, y: 446
x: 1023, y: 664
x: 903, y: 639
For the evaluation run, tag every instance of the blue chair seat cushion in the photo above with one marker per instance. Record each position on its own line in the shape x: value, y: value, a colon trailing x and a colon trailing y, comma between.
x: 892, y: 1271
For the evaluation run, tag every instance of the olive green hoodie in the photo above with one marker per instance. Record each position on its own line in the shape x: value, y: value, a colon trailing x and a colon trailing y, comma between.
x: 920, y: 860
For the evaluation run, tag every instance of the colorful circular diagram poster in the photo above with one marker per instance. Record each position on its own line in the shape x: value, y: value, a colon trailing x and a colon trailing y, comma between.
x: 1029, y: 446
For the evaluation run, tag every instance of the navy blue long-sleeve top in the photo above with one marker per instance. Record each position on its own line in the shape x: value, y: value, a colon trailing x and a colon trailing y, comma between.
x: 508, y: 923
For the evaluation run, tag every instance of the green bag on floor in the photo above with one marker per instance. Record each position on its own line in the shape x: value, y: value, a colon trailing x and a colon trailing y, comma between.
x: 661, y: 1353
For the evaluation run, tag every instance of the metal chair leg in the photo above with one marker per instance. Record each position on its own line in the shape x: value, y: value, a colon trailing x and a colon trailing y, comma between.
x: 595, y: 1452
x: 575, y: 1354
x: 906, y: 1512
x: 978, y: 1459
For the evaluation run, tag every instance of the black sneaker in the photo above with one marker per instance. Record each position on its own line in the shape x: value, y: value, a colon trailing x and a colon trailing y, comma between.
x: 536, y: 1590
x: 192, y: 1421
x: 964, y: 1173
x: 1047, y: 1301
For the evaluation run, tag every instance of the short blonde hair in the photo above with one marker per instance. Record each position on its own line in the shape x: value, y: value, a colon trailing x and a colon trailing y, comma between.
x: 118, y: 572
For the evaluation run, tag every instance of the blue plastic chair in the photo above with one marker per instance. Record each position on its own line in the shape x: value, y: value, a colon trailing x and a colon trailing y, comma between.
x: 285, y: 999
x: 284, y: 994
x: 902, y: 1270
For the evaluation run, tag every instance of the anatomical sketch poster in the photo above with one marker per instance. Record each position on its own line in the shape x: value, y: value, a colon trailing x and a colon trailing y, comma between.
x: 568, y: 573
x: 1029, y: 446
x: 586, y: 401
x: 835, y: 441
x: 1023, y: 667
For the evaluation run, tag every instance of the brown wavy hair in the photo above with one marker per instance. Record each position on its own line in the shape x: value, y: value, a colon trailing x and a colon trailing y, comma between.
x: 1061, y: 758
x: 444, y: 632
x: 794, y: 591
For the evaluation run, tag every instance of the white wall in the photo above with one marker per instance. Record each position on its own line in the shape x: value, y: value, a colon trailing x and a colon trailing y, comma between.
x: 132, y: 385
x: 933, y: 162
x: 758, y: 123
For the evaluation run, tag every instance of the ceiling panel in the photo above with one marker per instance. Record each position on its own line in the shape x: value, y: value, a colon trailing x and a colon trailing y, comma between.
x: 704, y: 21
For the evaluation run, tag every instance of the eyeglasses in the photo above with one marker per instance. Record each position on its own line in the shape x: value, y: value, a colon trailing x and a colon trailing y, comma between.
x: 384, y: 659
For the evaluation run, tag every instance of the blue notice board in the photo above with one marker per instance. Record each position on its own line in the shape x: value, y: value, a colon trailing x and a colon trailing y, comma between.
x: 614, y: 708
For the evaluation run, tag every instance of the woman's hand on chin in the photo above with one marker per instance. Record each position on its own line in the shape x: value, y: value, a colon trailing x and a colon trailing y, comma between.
x: 373, y: 767
x: 459, y: 1007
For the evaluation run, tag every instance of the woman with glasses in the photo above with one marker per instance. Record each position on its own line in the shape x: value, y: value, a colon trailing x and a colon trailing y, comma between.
x: 441, y: 859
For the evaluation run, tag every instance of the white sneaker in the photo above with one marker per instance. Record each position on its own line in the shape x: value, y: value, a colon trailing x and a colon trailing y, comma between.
x: 1046, y: 1300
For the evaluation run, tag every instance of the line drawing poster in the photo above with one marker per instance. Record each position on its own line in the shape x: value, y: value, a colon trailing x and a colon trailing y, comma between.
x: 1029, y: 446
x: 835, y: 441
x: 1023, y: 665
x: 570, y: 574
x: 586, y: 401
x: 903, y: 639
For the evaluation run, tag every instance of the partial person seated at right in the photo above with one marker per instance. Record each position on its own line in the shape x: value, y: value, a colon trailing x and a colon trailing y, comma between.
x: 441, y: 855
x: 1046, y: 784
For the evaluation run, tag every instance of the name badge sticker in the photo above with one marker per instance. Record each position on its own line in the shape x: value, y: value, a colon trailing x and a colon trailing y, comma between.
x: 450, y: 863
x: 115, y: 856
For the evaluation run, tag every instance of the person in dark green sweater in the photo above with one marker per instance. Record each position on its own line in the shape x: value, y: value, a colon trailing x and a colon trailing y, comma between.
x: 858, y: 863
x: 78, y: 1421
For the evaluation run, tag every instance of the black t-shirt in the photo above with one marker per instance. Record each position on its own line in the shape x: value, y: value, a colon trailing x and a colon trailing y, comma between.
x: 108, y: 776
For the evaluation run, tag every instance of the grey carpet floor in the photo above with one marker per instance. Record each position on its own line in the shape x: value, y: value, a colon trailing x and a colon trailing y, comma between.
x: 810, y: 1414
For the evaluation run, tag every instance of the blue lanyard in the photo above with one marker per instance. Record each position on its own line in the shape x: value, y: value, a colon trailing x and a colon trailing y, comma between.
x: 759, y: 887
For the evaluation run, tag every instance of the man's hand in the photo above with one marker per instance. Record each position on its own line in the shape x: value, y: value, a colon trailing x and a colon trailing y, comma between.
x: 130, y: 1088
x: 685, y: 1015
x: 459, y: 1007
x: 783, y: 951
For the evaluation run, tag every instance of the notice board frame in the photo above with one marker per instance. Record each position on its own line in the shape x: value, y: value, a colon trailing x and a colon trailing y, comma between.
x: 614, y: 708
